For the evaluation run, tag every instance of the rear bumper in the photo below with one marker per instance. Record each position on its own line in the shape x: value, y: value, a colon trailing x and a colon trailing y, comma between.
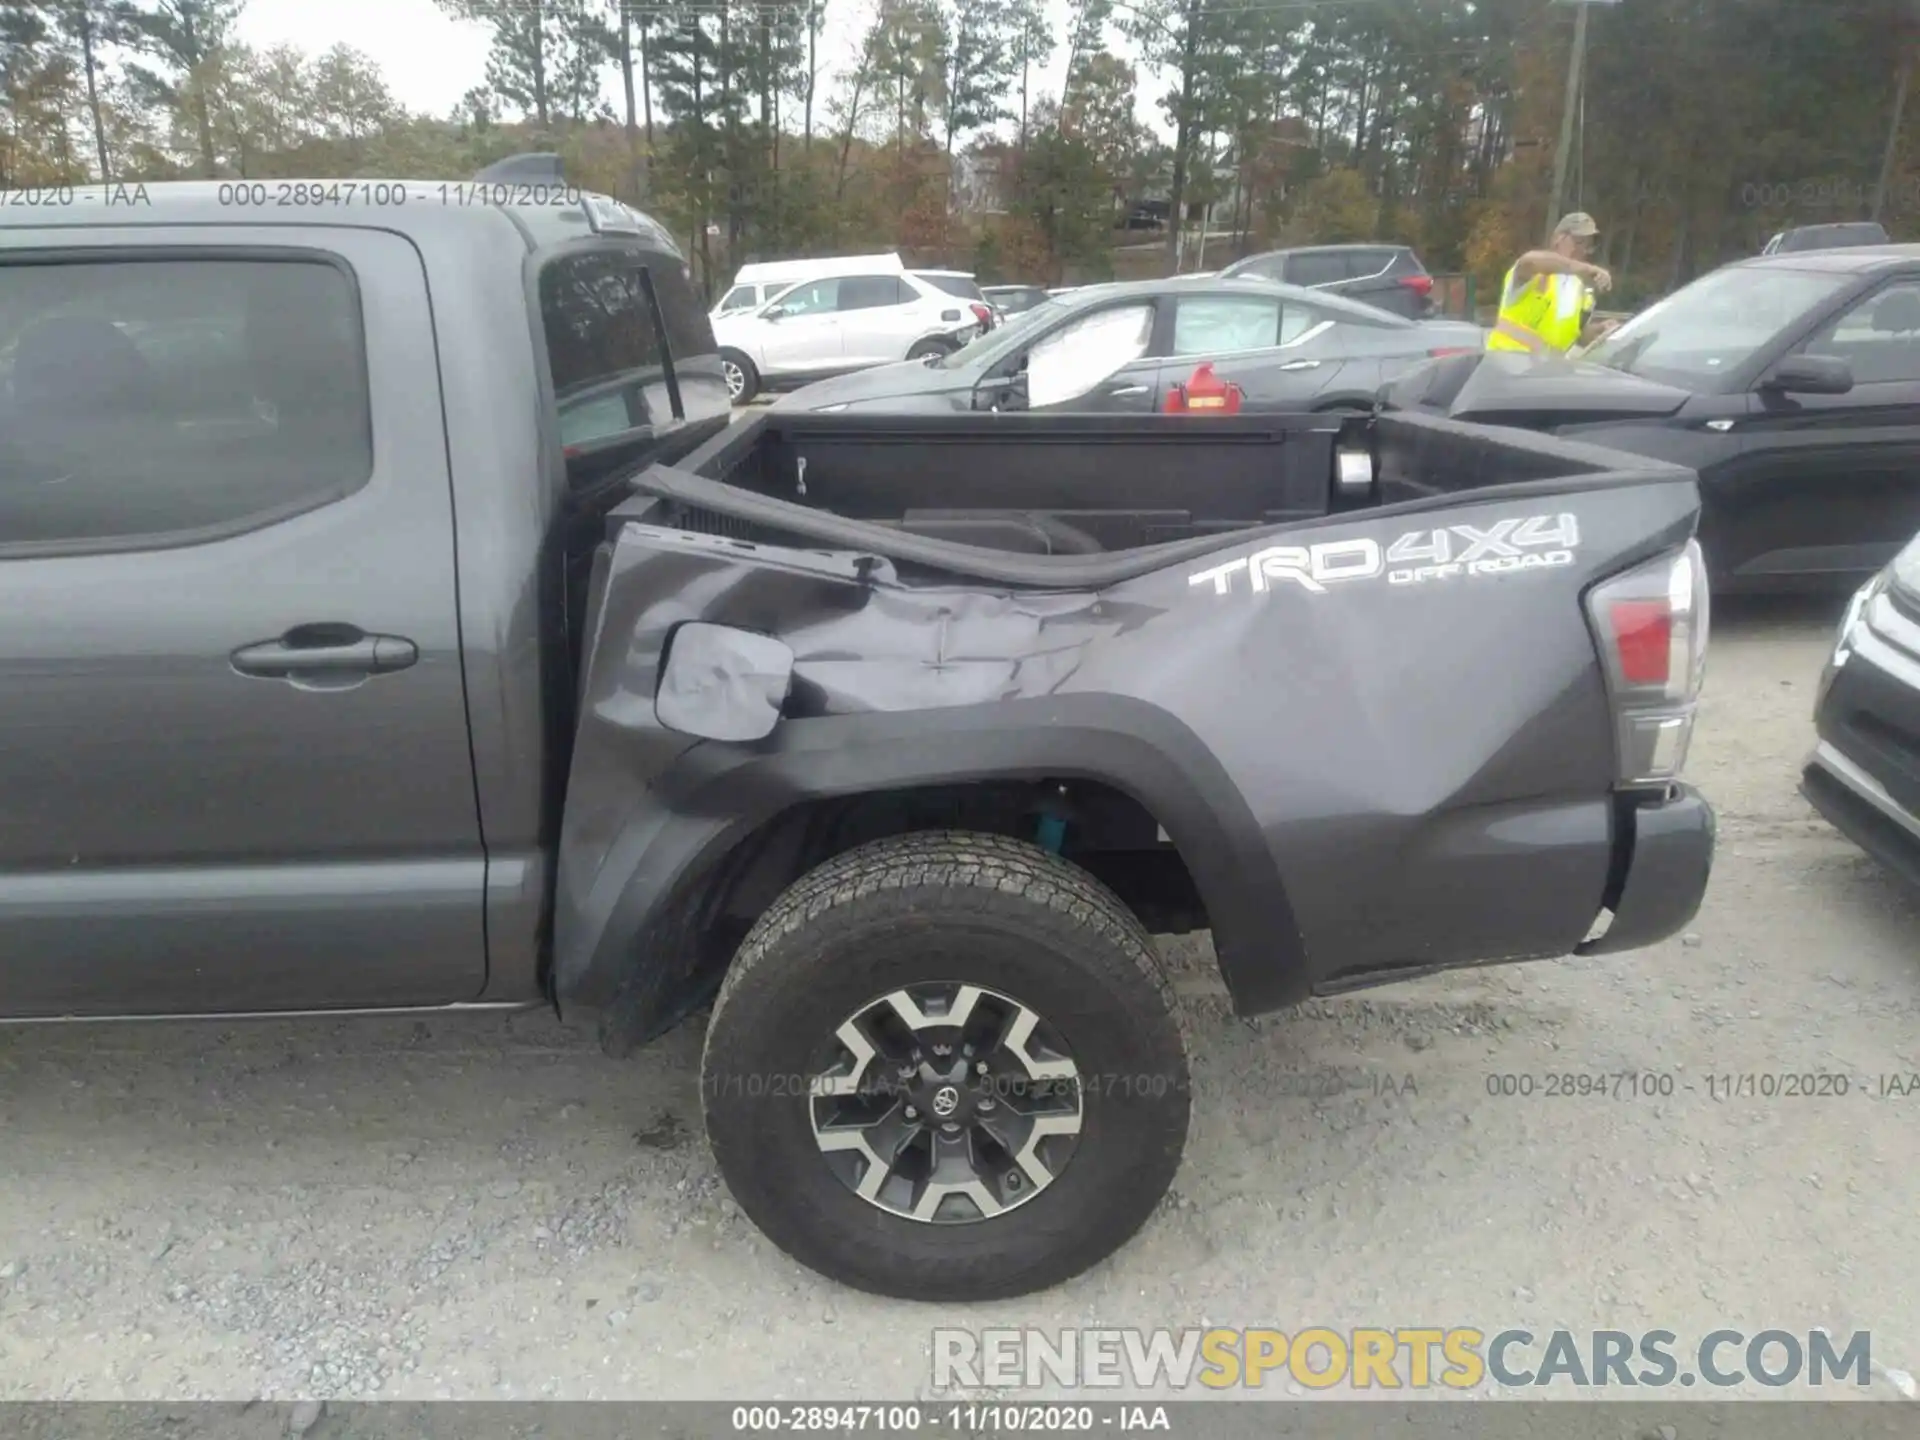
x: 1669, y: 857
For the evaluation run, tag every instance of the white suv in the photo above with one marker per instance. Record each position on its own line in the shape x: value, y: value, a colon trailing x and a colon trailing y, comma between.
x: 836, y: 324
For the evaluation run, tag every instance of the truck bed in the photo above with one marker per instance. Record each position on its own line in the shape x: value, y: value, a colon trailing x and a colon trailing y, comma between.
x: 1370, y: 727
x: 1037, y: 484
x: 1066, y: 501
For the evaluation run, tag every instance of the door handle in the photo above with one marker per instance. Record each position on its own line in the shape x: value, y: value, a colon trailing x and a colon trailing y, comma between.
x: 1301, y: 365
x: 1127, y: 390
x: 318, y: 652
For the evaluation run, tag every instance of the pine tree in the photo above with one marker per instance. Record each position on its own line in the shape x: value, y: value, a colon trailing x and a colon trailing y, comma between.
x: 189, y: 41
x: 545, y: 56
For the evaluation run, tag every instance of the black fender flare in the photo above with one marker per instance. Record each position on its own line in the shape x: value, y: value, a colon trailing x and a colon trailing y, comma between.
x: 716, y: 795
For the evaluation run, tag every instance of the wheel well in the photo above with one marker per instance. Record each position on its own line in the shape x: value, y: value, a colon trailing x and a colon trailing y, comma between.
x: 1096, y: 826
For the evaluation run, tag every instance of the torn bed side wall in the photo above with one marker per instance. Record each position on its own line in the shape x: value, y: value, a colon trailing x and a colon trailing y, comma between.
x: 862, y: 642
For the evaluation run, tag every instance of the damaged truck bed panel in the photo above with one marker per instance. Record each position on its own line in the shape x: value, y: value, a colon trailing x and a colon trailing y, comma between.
x: 1377, y: 742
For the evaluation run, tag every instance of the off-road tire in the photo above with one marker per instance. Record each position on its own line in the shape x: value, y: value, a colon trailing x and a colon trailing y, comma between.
x: 749, y: 376
x: 931, y: 907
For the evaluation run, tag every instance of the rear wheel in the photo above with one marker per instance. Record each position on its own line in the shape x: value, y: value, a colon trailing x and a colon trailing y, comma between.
x: 947, y: 1067
x: 924, y: 350
x: 743, y: 381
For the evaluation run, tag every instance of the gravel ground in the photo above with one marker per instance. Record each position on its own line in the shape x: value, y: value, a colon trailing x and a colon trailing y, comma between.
x: 488, y: 1208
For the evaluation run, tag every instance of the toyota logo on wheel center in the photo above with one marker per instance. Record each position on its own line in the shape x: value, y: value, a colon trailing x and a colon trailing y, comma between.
x: 946, y: 1100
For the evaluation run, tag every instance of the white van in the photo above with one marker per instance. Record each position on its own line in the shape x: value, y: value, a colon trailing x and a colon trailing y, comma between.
x: 759, y: 282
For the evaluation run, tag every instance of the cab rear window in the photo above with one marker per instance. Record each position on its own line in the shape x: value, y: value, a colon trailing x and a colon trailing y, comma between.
x: 621, y: 325
x: 604, y: 349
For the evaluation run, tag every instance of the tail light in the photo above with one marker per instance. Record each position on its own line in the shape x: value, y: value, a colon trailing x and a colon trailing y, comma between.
x: 1452, y: 350
x: 1419, y: 284
x: 1651, y: 623
x: 983, y: 315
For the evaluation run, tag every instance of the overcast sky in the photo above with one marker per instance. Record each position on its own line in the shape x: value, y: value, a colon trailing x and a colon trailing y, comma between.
x: 430, y: 60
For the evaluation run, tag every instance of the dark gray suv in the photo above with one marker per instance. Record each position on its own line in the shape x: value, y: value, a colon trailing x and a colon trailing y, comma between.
x: 1388, y: 276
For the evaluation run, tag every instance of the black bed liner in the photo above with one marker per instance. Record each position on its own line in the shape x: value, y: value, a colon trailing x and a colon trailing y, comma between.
x: 1423, y: 463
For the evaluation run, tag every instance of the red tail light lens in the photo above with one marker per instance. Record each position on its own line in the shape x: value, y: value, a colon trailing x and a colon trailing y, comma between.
x: 1651, y: 624
x: 1643, y: 640
x: 1419, y: 284
x: 982, y: 314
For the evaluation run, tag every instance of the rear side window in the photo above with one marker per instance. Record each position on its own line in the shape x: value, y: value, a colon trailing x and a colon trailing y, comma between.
x: 1299, y: 319
x: 689, y: 328
x: 1316, y: 267
x: 603, y: 346
x: 1221, y: 324
x: 869, y: 292
x: 961, y: 285
x: 152, y: 399
x: 1364, y: 263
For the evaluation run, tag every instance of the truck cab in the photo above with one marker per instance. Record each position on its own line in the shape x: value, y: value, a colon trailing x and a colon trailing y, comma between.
x: 288, y: 671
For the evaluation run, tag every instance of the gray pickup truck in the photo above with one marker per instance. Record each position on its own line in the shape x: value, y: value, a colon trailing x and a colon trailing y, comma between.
x: 391, y: 619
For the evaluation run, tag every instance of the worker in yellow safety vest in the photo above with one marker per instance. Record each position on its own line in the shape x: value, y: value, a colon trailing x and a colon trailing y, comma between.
x: 1546, y: 301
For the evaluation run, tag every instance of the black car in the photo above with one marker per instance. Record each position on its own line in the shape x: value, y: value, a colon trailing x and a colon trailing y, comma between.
x: 1864, y: 772
x: 1791, y: 383
x: 1389, y: 276
x: 1118, y: 348
x: 1827, y: 237
x: 1014, y: 299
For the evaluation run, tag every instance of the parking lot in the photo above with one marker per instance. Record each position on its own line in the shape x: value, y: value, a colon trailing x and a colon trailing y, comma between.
x: 488, y: 1207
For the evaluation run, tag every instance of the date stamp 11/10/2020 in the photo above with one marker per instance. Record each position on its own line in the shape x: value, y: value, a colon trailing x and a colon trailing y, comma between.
x: 305, y: 195
x: 1721, y: 1086
x: 1332, y: 1083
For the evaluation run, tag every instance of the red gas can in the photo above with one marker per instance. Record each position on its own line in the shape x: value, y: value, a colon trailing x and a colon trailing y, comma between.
x: 1204, y: 393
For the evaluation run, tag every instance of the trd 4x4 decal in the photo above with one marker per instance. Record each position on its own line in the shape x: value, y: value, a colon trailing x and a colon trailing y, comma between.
x: 1528, y: 542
